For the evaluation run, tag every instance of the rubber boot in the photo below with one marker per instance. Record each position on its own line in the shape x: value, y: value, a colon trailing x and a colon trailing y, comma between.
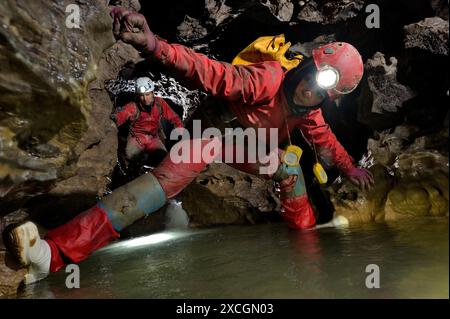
x: 297, y: 212
x: 30, y: 251
x: 296, y: 209
x: 101, y: 224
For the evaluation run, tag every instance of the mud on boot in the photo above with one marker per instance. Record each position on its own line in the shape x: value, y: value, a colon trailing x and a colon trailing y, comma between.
x: 26, y: 246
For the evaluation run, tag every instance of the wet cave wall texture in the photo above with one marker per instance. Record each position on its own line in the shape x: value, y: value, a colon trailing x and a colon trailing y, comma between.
x: 59, y: 150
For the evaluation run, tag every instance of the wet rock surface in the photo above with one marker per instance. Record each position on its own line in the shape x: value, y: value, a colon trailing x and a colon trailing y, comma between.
x: 58, y: 146
x: 223, y: 195
x: 45, y: 110
x: 412, y: 179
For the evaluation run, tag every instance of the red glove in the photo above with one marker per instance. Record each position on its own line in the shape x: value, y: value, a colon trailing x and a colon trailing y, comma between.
x: 361, y: 177
x: 132, y: 28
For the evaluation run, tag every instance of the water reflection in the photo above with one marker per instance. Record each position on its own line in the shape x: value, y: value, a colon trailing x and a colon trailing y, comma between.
x: 266, y: 261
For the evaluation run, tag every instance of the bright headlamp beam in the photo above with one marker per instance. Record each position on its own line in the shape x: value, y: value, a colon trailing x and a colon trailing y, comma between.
x: 327, y: 78
x: 148, y: 240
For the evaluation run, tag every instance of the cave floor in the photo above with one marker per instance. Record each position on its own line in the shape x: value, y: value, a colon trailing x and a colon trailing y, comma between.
x: 266, y: 261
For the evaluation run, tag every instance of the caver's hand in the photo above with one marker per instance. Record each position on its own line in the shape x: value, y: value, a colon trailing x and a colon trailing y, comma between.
x: 361, y: 177
x: 132, y: 28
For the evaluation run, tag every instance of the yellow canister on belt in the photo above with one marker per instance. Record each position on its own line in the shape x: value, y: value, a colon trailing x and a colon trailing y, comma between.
x: 320, y: 173
x: 292, y: 155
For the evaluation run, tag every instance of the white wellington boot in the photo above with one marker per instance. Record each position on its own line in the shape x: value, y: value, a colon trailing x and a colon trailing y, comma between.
x: 30, y: 250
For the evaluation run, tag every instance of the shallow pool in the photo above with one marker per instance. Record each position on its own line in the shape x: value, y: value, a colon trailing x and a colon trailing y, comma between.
x: 266, y: 261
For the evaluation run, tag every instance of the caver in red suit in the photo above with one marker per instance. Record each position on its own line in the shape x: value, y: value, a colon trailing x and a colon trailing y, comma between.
x: 261, y: 95
x: 145, y: 125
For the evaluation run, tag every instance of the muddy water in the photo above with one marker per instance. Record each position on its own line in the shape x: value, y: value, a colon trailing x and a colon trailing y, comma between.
x: 267, y: 261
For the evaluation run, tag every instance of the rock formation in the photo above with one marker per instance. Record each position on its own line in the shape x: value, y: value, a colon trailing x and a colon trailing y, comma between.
x: 57, y: 144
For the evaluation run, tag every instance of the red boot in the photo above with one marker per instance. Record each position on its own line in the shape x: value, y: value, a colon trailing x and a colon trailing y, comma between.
x: 297, y: 212
x: 81, y: 236
x: 296, y: 208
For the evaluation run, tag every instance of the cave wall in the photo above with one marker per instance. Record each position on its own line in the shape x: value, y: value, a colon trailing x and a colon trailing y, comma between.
x: 45, y: 109
x: 58, y: 147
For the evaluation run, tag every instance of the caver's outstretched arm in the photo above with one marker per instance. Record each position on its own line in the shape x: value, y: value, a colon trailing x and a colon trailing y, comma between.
x: 317, y: 131
x: 250, y: 85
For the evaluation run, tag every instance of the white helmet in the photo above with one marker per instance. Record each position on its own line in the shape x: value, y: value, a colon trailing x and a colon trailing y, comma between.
x: 144, y: 85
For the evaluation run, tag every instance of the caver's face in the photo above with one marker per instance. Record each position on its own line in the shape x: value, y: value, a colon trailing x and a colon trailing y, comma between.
x: 308, y: 93
x: 147, y: 99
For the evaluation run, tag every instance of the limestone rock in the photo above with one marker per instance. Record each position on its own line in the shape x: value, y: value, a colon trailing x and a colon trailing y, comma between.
x: 388, y: 145
x: 97, y: 149
x: 191, y: 29
x: 223, y: 195
x: 10, y: 279
x: 283, y: 10
x: 388, y: 94
x: 329, y: 12
x: 57, y: 140
x: 217, y: 11
x: 306, y: 48
x: 45, y: 110
x: 430, y: 34
x: 362, y: 207
x: 412, y: 181
x: 423, y: 188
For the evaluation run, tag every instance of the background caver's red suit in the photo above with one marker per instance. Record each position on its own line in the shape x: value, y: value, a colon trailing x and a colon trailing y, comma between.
x: 145, y: 128
x: 255, y: 95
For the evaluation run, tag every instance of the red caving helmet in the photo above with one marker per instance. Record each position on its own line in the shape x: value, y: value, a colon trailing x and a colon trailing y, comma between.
x: 340, y: 68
